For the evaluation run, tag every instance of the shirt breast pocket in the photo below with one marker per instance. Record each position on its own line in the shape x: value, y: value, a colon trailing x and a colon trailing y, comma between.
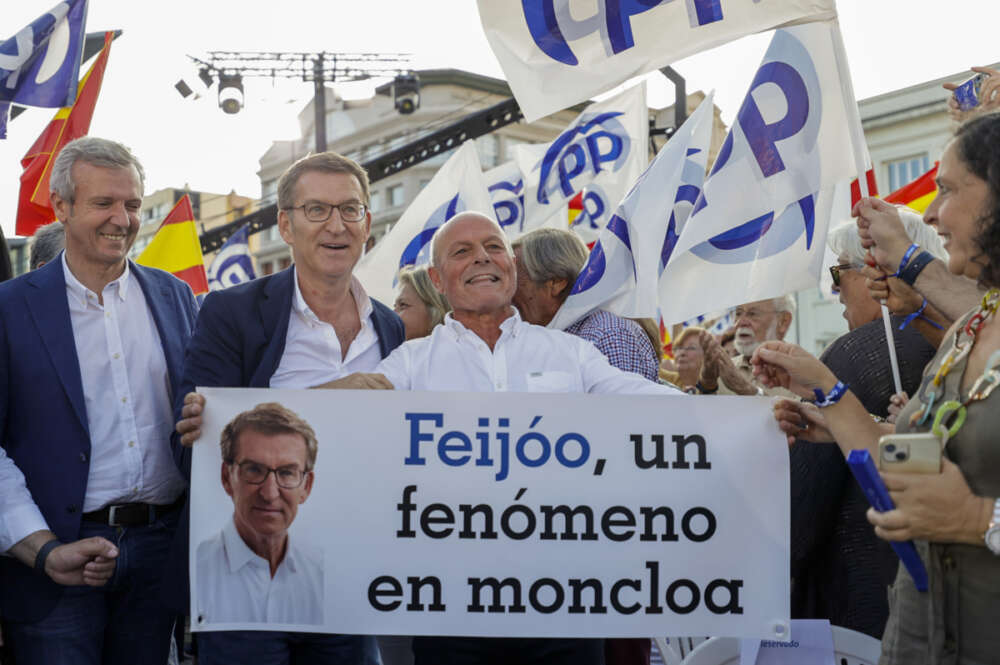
x: 552, y: 382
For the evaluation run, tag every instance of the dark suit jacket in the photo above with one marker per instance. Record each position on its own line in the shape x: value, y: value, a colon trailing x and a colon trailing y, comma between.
x: 43, y: 418
x: 238, y: 343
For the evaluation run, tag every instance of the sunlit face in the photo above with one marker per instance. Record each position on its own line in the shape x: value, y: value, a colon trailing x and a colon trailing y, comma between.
x: 689, y: 355
x: 961, y: 202
x: 330, y: 249
x: 758, y: 322
x: 266, y: 510
x: 531, y: 299
x: 416, y: 317
x: 102, y: 222
x: 859, y: 307
x: 475, y: 272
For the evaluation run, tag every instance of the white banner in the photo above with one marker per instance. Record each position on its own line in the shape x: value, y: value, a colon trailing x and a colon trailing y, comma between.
x: 758, y: 229
x: 498, y: 515
x: 556, y: 53
x: 456, y: 187
x: 622, y: 270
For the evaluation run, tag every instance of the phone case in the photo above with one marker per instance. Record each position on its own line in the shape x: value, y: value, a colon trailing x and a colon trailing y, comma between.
x: 910, y: 453
x: 864, y: 471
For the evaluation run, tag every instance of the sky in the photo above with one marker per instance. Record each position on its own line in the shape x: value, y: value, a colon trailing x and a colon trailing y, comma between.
x: 891, y: 44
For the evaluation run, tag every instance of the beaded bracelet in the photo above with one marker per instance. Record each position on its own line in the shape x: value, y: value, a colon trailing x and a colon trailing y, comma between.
x: 832, y: 397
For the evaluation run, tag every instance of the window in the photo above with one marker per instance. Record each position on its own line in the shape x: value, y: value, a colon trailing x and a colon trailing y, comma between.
x: 284, y: 263
x: 489, y: 150
x: 394, y: 195
x: 375, y: 201
x: 266, y: 268
x: 904, y: 171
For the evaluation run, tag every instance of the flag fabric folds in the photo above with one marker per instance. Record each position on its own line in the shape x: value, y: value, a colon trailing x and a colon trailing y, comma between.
x: 40, y: 65
x: 555, y: 53
x: 623, y: 269
x: 176, y: 249
x: 458, y: 186
x: 758, y: 228
x: 69, y: 123
x: 919, y: 193
x: 233, y: 263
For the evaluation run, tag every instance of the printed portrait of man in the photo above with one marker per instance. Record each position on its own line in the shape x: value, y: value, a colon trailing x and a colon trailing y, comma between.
x: 252, y: 571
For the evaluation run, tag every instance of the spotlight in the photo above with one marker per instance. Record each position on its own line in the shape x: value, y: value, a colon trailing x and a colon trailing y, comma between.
x: 205, y: 75
x: 406, y: 93
x: 183, y: 88
x: 230, y: 93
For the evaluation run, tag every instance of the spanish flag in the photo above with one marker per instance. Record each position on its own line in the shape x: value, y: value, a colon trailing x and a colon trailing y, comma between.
x: 919, y: 193
x: 176, y: 248
x: 69, y: 123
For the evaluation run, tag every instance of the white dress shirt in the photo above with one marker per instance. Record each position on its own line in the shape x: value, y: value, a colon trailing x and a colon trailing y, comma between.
x: 312, y: 354
x: 235, y: 585
x: 526, y: 358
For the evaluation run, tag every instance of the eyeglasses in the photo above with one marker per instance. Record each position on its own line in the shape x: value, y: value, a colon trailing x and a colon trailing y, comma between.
x: 752, y: 314
x: 317, y: 211
x: 835, y: 271
x: 288, y: 477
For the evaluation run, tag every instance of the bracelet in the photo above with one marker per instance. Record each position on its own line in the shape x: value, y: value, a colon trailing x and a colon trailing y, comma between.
x: 906, y: 259
x: 705, y: 391
x: 913, y: 315
x: 909, y: 274
x: 832, y: 397
x: 43, y: 554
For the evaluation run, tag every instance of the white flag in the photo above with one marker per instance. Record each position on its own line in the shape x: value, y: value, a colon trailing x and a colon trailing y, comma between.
x: 623, y: 268
x: 600, y: 154
x: 556, y: 53
x: 458, y: 186
x: 759, y: 227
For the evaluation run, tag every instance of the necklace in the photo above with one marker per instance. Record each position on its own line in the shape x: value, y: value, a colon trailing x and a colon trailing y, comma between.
x: 962, y: 344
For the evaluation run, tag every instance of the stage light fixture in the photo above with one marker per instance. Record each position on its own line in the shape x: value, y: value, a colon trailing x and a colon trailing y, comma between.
x: 183, y: 88
x: 406, y: 93
x: 205, y: 74
x: 230, y: 93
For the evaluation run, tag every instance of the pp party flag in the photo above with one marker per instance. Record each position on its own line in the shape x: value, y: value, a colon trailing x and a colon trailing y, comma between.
x: 919, y: 193
x: 597, y: 157
x: 40, y: 65
x: 505, y: 183
x: 176, y: 248
x: 456, y: 187
x: 556, y: 53
x: 233, y: 263
x: 622, y: 272
x: 758, y: 229
x: 69, y: 123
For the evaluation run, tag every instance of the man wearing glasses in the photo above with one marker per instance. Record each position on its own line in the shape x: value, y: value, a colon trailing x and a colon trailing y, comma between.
x: 300, y: 328
x: 251, y: 571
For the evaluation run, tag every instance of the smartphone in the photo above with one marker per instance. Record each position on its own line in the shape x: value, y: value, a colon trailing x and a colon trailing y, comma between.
x: 967, y: 92
x: 910, y: 453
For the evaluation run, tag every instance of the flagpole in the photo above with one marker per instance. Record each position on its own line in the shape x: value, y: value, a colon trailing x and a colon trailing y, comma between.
x: 858, y: 144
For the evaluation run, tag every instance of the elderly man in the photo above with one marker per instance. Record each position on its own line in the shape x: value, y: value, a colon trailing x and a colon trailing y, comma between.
x: 46, y: 244
x: 92, y: 345
x: 548, y: 263
x: 251, y: 571
x: 298, y: 328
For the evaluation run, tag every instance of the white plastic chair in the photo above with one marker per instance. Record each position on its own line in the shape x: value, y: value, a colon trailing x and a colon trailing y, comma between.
x: 849, y: 647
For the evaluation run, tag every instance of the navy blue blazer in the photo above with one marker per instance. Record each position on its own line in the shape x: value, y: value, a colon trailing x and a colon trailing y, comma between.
x: 43, y: 418
x: 238, y: 343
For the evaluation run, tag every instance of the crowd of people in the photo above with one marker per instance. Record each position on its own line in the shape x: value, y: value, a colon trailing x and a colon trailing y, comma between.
x: 99, y: 411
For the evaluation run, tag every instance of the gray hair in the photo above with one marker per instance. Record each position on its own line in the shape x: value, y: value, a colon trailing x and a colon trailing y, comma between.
x: 785, y: 303
x: 552, y: 254
x: 46, y: 244
x: 418, y: 280
x: 436, y: 238
x: 322, y: 162
x: 845, y: 241
x: 92, y: 150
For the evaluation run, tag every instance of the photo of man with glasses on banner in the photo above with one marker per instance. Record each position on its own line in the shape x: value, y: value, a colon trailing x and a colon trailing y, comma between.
x: 252, y: 571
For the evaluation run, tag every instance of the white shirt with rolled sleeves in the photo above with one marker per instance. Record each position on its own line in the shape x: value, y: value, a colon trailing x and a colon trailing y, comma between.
x: 235, y: 584
x: 526, y: 358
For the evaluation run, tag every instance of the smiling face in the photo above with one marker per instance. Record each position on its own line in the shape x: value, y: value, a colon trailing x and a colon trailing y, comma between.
x: 473, y: 265
x: 961, y: 202
x: 328, y: 250
x: 102, y: 221
x: 265, y: 511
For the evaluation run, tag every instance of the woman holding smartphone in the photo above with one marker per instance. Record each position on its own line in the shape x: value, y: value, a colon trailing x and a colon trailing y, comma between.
x: 953, y: 516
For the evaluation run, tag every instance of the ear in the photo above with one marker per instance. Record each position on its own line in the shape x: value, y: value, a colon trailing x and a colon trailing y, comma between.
x: 285, y: 226
x: 555, y: 287
x: 227, y: 483
x: 368, y: 224
x: 784, y: 322
x: 435, y: 276
x: 60, y: 206
x: 307, y: 486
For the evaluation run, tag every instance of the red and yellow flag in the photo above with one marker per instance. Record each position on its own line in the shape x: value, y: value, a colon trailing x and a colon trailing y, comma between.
x: 176, y: 248
x: 69, y: 123
x: 919, y: 193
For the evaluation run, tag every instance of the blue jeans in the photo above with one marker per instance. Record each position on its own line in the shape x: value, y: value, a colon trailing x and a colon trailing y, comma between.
x: 235, y: 647
x: 121, y: 623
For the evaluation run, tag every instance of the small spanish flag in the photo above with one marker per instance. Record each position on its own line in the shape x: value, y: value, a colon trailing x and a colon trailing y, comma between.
x: 176, y: 248
x: 919, y: 193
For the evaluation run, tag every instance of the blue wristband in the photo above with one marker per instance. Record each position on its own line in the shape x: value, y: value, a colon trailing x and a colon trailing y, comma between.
x: 908, y: 275
x: 832, y: 397
x: 906, y: 259
x: 909, y: 319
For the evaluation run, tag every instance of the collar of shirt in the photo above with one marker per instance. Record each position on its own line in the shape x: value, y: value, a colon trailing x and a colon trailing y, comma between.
x: 509, y: 327
x: 79, y: 292
x: 301, y: 308
x: 238, y: 554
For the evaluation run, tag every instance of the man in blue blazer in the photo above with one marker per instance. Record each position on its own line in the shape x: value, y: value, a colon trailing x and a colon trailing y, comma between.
x: 92, y: 345
x: 300, y: 328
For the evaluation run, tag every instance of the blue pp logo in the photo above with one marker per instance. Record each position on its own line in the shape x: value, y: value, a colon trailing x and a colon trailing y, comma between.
x: 508, y: 204
x: 553, y: 27
x: 598, y: 142
x: 417, y: 251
